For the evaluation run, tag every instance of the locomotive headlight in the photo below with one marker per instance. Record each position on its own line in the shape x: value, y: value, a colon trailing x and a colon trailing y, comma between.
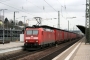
x: 26, y: 40
x: 36, y: 41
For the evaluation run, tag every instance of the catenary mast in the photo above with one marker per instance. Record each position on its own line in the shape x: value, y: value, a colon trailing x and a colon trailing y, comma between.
x: 87, y: 23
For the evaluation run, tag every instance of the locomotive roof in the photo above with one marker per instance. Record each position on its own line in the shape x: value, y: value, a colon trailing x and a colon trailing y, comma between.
x: 42, y: 26
x: 45, y: 26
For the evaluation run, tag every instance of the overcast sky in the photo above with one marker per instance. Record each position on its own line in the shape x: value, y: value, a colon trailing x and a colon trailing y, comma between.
x: 46, y: 9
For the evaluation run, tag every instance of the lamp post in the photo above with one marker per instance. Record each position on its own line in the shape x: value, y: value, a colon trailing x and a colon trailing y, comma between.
x: 24, y: 18
x: 14, y: 17
x: 58, y: 19
x: 68, y: 24
x: 68, y: 21
x: 3, y: 24
x: 0, y: 14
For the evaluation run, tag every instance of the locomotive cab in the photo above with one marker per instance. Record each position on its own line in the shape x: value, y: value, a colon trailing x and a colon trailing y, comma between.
x: 32, y: 37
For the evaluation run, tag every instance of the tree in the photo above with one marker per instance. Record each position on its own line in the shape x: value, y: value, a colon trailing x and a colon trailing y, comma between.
x: 6, y: 22
x: 1, y: 23
x: 11, y: 24
x: 20, y: 23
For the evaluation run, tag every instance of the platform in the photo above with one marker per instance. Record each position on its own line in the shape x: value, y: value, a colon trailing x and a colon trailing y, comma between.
x: 11, y: 45
x: 79, y: 51
x: 83, y: 52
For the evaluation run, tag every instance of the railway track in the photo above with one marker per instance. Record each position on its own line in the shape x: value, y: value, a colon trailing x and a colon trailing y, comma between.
x: 16, y: 55
x: 43, y: 54
x: 49, y: 53
x: 19, y: 54
x: 55, y: 53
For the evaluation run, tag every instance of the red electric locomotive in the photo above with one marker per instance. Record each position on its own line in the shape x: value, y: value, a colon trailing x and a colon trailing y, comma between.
x: 38, y: 37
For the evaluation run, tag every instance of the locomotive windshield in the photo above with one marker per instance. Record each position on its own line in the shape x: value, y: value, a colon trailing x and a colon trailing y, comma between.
x: 32, y: 32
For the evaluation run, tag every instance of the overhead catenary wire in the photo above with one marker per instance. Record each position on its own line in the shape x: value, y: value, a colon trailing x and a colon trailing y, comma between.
x: 66, y: 9
x: 25, y: 10
x: 61, y: 9
x: 5, y: 0
x: 34, y: 5
x: 43, y: 7
x: 60, y: 3
x: 62, y: 14
x: 51, y: 6
x: 15, y: 8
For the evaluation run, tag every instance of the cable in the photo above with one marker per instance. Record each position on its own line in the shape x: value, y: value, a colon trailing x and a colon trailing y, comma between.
x: 50, y: 6
x: 61, y: 9
x: 34, y: 5
x: 39, y: 7
x: 5, y: 0
x: 65, y: 8
x: 62, y: 14
x: 60, y: 3
x: 15, y: 8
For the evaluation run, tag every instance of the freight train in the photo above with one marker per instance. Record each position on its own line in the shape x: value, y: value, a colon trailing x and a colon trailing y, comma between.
x: 41, y: 36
